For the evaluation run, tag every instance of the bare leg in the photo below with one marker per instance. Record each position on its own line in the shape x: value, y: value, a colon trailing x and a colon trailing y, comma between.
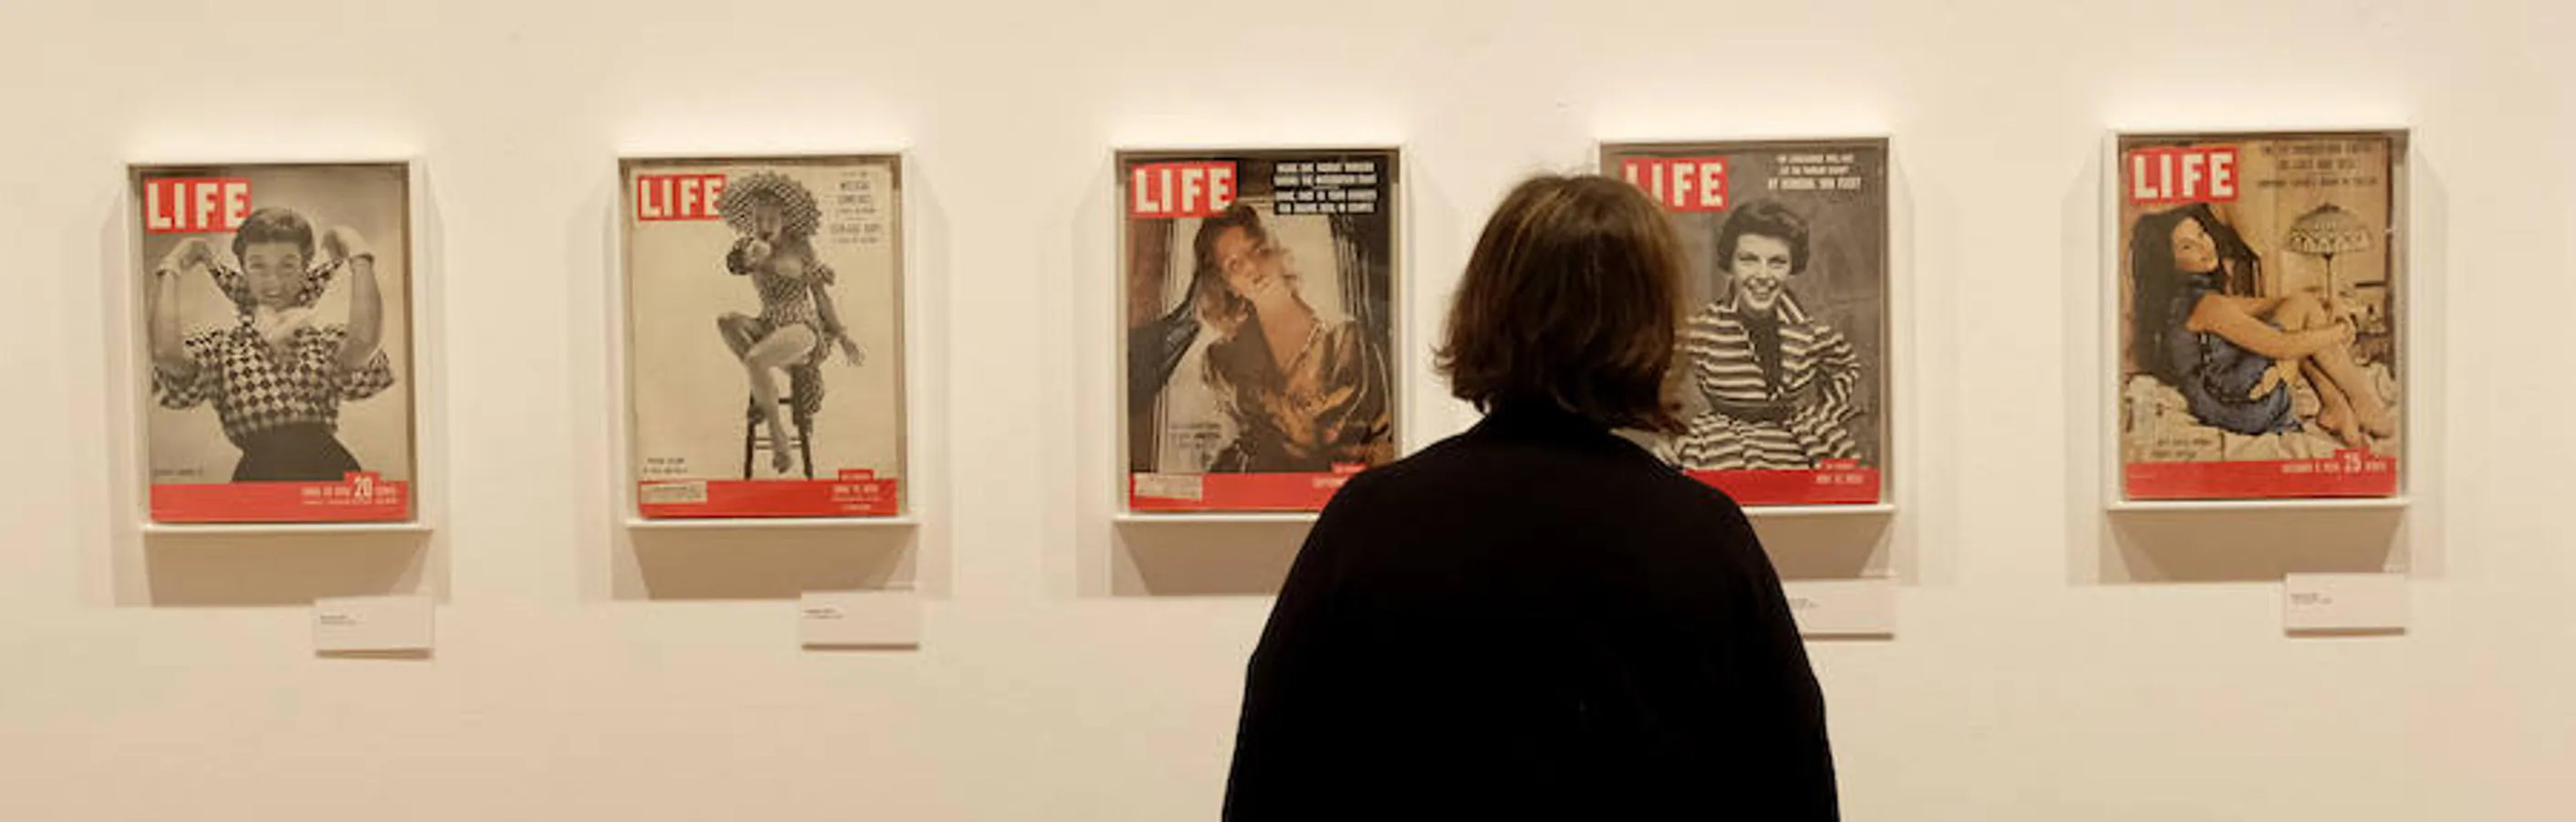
x: 2336, y: 415
x: 787, y: 345
x: 735, y: 328
x: 2364, y: 410
x: 2300, y: 312
x: 2368, y: 408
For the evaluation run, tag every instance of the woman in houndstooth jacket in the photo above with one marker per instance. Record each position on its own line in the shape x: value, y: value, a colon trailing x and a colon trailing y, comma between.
x: 276, y: 380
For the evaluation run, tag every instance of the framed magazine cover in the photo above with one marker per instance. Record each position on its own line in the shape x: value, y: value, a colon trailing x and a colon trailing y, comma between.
x: 2256, y: 317
x: 1259, y: 291
x: 766, y: 337
x: 274, y: 346
x: 1788, y: 322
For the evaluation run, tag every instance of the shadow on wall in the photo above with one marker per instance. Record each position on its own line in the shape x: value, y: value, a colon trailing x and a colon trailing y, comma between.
x: 1182, y: 559
x: 1842, y: 546
x: 762, y: 563
x: 2253, y: 545
x: 282, y: 569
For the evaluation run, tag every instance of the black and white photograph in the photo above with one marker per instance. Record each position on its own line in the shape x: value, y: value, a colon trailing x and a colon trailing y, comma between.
x: 765, y: 347
x: 276, y: 324
x: 1785, y: 341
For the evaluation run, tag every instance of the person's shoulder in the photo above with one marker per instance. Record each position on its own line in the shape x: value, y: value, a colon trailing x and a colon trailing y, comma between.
x: 1657, y: 491
x: 1409, y: 471
x: 1434, y: 469
x: 1696, y: 534
x: 1615, y: 466
x: 1681, y: 497
x: 1708, y: 502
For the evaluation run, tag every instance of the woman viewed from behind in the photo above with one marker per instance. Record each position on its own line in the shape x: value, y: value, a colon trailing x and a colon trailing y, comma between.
x: 1537, y: 618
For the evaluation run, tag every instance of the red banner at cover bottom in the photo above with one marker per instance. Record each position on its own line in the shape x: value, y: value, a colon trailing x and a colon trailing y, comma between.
x: 360, y: 497
x: 2346, y: 474
x: 853, y: 494
x: 1178, y: 493
x: 1809, y: 486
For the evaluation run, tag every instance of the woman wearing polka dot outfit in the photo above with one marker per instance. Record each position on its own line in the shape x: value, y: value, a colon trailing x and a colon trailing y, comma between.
x: 797, y: 324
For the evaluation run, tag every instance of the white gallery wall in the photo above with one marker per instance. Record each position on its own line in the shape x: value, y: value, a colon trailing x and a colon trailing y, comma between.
x: 2052, y: 662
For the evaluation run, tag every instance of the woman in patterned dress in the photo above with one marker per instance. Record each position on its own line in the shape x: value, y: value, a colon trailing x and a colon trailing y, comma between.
x: 276, y: 380
x: 797, y: 323
x: 1775, y: 385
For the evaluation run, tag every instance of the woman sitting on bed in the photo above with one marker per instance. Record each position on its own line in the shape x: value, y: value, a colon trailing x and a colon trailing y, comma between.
x: 2230, y: 354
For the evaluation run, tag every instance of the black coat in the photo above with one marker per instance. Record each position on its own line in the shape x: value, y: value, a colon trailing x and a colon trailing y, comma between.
x: 1534, y: 619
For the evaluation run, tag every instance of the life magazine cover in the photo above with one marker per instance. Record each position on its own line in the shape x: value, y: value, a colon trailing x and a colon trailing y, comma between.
x: 2259, y: 341
x: 275, y: 315
x: 765, y: 336
x: 1259, y: 290
x: 1785, y: 340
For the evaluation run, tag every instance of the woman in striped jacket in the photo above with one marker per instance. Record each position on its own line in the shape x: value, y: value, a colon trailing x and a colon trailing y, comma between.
x: 1775, y: 385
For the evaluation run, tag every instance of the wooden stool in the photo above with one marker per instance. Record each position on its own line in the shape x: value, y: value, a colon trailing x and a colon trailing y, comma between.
x: 754, y: 441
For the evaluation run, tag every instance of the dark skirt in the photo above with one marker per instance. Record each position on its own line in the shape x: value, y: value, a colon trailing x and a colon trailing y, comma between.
x: 294, y: 453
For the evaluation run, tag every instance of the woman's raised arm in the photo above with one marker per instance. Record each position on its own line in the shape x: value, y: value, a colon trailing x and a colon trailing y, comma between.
x: 366, y: 302
x: 169, y: 350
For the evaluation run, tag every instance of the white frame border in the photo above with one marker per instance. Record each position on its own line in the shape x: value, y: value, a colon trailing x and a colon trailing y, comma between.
x: 1399, y: 304
x: 1895, y: 323
x: 2403, y: 266
x: 425, y: 319
x: 909, y: 498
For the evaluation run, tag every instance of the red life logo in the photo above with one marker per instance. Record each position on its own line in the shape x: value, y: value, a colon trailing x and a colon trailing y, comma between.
x: 1680, y: 183
x: 1162, y: 190
x: 183, y: 205
x: 678, y: 196
x: 2182, y: 175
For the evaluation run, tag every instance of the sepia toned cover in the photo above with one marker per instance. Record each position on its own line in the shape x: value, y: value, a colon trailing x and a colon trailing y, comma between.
x: 765, y: 335
x: 2260, y: 346
x: 1258, y: 294
x: 1785, y: 342
x: 276, y: 336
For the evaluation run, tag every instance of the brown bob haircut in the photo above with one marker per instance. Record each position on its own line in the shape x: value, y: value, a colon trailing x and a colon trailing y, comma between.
x: 1572, y: 300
